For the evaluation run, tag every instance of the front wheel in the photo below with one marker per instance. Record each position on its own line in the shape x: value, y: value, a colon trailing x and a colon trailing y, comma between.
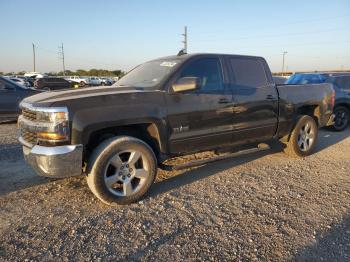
x: 121, y: 170
x: 341, y: 120
x: 303, y: 137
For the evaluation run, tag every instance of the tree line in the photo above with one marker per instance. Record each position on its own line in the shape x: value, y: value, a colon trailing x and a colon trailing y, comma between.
x: 91, y: 72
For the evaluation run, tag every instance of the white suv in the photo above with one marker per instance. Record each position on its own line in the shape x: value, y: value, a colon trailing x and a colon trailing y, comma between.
x: 78, y: 79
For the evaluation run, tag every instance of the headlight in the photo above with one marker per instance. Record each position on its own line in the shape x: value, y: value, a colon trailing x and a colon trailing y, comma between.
x: 51, y: 117
x: 49, y: 125
x: 58, y: 126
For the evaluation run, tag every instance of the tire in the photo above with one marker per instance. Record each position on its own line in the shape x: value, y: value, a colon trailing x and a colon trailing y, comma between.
x: 303, y: 137
x: 341, y: 120
x: 82, y: 84
x: 121, y: 170
x: 102, y: 83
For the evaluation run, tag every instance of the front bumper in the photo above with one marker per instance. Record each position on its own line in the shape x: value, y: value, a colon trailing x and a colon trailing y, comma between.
x: 55, y: 162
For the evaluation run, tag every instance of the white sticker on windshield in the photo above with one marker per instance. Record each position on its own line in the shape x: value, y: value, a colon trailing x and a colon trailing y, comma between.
x: 168, y: 64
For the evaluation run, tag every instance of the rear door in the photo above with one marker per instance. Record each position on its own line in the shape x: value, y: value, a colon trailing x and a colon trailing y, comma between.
x: 200, y: 119
x: 255, y: 100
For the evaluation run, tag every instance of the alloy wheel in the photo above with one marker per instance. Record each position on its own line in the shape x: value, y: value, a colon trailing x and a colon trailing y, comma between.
x: 306, y: 137
x: 126, y: 172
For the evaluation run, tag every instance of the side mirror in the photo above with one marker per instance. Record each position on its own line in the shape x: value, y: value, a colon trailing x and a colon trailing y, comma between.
x: 186, y: 84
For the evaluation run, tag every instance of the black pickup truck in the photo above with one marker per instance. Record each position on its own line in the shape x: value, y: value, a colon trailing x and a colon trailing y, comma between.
x: 118, y: 136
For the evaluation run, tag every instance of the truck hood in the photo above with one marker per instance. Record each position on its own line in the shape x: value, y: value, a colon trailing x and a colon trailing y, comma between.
x: 45, y: 99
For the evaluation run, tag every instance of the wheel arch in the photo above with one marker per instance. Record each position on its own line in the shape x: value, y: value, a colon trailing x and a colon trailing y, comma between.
x: 149, y: 132
x: 343, y: 104
x: 310, y: 110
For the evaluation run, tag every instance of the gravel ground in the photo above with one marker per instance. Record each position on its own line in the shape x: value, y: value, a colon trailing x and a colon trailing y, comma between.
x: 265, y: 207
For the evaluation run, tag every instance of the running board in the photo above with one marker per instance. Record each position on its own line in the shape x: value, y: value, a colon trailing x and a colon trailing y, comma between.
x: 200, y: 162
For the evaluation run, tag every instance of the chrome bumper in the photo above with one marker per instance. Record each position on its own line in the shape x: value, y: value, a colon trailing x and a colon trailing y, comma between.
x: 55, y: 162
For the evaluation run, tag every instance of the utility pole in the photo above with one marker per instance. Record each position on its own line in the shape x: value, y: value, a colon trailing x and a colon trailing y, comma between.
x: 33, y: 57
x: 61, y: 53
x: 185, y: 39
x: 284, y: 53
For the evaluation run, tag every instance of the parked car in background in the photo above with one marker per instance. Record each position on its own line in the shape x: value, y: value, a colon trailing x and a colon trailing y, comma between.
x: 307, y: 78
x: 52, y: 83
x: 20, y: 81
x: 78, y: 79
x: 163, y: 108
x: 11, y: 94
x: 279, y: 80
x: 105, y: 81
x: 341, y: 84
x: 100, y: 81
x: 35, y: 74
x: 94, y: 81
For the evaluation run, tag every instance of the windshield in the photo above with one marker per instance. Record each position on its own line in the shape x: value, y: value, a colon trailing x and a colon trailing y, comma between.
x: 148, y: 75
x: 299, y: 79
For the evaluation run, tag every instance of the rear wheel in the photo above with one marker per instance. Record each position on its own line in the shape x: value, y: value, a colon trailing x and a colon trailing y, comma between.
x: 303, y: 137
x: 341, y: 120
x: 82, y: 83
x: 121, y: 170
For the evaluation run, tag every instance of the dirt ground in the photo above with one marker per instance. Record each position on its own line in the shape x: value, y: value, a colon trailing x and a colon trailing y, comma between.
x: 261, y: 207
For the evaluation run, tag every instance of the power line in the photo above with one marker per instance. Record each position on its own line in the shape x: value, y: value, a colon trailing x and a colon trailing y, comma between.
x: 284, y: 53
x: 185, y: 39
x: 33, y: 57
x: 61, y: 53
x: 75, y: 57
x: 278, y: 35
x: 292, y: 44
x: 281, y: 24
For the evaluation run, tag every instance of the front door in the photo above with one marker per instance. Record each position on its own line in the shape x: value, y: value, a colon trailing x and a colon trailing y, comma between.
x: 201, y: 119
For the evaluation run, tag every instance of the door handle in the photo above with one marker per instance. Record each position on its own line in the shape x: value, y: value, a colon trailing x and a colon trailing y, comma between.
x: 223, y: 101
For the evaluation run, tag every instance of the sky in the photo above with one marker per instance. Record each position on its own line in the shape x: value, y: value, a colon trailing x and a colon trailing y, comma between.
x: 122, y: 34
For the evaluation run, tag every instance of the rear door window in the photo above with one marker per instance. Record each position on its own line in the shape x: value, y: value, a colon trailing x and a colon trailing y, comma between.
x: 248, y: 72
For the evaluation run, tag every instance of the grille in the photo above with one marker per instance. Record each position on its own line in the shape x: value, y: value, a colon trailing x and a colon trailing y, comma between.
x: 29, y: 137
x: 28, y: 114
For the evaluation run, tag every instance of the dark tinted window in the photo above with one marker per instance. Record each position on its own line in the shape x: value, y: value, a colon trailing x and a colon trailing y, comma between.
x: 343, y: 82
x: 208, y: 70
x: 248, y: 72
